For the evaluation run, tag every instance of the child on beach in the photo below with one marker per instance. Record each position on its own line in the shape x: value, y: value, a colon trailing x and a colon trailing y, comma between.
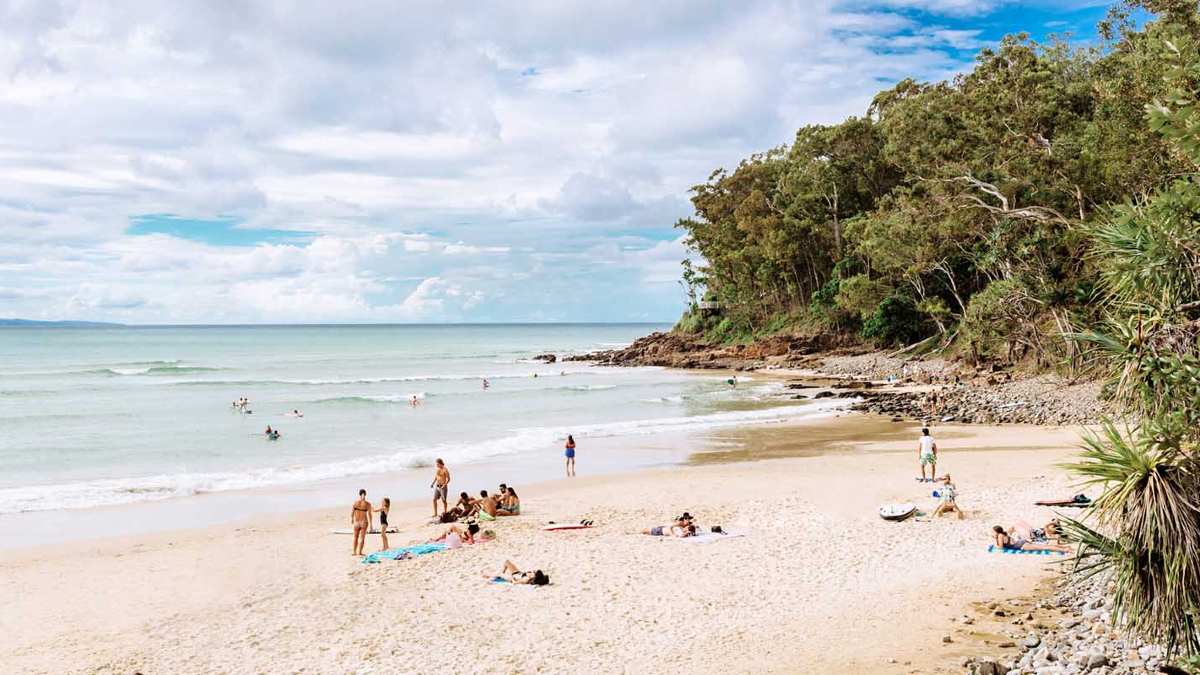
x: 383, y: 521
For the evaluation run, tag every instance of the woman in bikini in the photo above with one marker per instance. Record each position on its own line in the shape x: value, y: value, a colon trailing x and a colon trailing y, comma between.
x: 513, y: 575
x: 1006, y: 541
x: 383, y: 521
x: 510, y: 505
x: 360, y: 520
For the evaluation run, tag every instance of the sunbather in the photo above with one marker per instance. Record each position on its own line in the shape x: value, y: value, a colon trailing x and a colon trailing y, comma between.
x: 513, y: 575
x: 486, y: 506
x: 455, y: 536
x: 671, y: 531
x: 1008, y: 541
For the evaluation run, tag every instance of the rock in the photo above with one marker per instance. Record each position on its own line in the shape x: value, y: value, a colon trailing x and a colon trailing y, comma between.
x: 1007, y: 645
x: 947, y: 639
x: 546, y: 358
x: 1149, y: 652
x: 983, y: 666
x: 1133, y: 664
x: 1031, y: 641
x: 824, y: 394
x: 968, y: 620
x: 1095, y: 659
x: 1000, y: 612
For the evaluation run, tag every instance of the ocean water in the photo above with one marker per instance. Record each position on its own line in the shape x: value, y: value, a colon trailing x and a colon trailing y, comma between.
x: 104, y: 416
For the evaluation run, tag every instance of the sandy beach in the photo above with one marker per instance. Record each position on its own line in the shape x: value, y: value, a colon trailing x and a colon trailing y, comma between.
x: 818, y: 584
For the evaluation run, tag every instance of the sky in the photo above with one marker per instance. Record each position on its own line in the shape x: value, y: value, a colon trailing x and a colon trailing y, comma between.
x: 211, y: 161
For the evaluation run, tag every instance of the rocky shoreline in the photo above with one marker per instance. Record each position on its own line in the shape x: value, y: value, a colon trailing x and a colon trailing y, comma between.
x: 947, y: 391
x: 1067, y: 633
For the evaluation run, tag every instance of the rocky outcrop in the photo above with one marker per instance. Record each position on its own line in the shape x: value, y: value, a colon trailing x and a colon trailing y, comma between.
x: 675, y: 350
x: 1045, y: 399
x: 546, y: 358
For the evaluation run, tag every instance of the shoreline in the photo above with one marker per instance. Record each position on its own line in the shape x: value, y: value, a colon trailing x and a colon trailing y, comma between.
x: 154, y: 602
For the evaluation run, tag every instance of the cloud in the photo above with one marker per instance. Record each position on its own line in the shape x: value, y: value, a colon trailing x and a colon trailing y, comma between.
x: 405, y: 161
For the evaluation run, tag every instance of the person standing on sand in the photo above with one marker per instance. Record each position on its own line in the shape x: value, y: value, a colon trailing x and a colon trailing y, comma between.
x: 927, y: 454
x: 360, y: 520
x: 383, y: 521
x: 570, y: 452
x: 441, y: 487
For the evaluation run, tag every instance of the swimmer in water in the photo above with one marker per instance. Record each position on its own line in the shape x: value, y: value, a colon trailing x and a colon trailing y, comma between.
x: 413, y: 401
x: 297, y: 413
x: 486, y: 384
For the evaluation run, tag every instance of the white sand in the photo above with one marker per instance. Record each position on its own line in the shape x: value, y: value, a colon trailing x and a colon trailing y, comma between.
x: 821, y: 584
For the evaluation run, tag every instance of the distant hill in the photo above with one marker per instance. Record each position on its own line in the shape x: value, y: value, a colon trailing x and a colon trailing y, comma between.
x: 9, y: 323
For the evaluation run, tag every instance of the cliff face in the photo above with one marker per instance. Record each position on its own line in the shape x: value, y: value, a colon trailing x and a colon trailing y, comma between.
x: 675, y: 350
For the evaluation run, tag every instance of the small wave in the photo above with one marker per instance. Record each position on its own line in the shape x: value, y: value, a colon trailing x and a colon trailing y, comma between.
x: 105, y: 492
x: 374, y: 398
x: 357, y: 380
x: 590, y: 387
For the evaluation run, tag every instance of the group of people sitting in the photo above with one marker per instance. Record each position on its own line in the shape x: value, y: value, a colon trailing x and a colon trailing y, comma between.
x: 681, y: 526
x: 485, y: 507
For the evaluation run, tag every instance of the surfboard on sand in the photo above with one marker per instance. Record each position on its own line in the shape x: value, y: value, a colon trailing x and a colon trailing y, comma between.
x: 897, y: 512
x: 555, y: 527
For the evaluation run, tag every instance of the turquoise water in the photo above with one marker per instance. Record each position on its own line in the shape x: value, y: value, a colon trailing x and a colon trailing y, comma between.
x: 102, y: 416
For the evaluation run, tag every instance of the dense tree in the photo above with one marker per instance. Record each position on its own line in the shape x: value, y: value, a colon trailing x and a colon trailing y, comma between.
x: 942, y: 191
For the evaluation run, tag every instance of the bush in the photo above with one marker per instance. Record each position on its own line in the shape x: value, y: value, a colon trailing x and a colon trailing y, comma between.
x: 861, y: 295
x: 896, y: 321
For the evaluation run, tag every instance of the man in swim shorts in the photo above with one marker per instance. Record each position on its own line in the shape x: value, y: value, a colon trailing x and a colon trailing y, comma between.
x: 927, y: 454
x: 441, y: 487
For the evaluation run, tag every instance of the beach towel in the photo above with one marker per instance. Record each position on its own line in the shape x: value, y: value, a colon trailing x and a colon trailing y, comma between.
x: 403, y: 551
x: 709, y: 537
x: 992, y: 549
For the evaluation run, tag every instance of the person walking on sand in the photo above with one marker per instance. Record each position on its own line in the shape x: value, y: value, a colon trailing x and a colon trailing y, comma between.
x: 927, y: 454
x: 570, y: 452
x: 441, y: 487
x: 360, y: 520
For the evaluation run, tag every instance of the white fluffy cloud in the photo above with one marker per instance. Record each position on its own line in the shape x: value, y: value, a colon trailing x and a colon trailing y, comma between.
x: 436, y: 162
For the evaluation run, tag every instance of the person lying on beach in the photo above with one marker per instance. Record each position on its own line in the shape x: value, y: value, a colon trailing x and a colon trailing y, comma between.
x: 455, y: 536
x: 671, y: 531
x: 1010, y: 542
x: 513, y: 575
x: 946, y: 496
x: 486, y: 506
x: 510, y: 504
x: 685, y: 520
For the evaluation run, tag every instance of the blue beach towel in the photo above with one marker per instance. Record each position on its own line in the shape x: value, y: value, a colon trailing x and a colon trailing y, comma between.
x: 992, y: 549
x: 397, y: 553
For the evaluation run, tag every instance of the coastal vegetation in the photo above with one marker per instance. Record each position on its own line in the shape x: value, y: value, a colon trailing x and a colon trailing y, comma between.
x: 964, y: 214
x: 1043, y: 206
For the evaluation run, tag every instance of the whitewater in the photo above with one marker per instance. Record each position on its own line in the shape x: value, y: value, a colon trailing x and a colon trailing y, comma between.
x: 100, y: 417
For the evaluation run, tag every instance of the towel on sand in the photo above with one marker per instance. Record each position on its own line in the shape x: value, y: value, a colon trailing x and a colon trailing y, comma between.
x: 709, y: 537
x: 993, y: 549
x: 397, y: 553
